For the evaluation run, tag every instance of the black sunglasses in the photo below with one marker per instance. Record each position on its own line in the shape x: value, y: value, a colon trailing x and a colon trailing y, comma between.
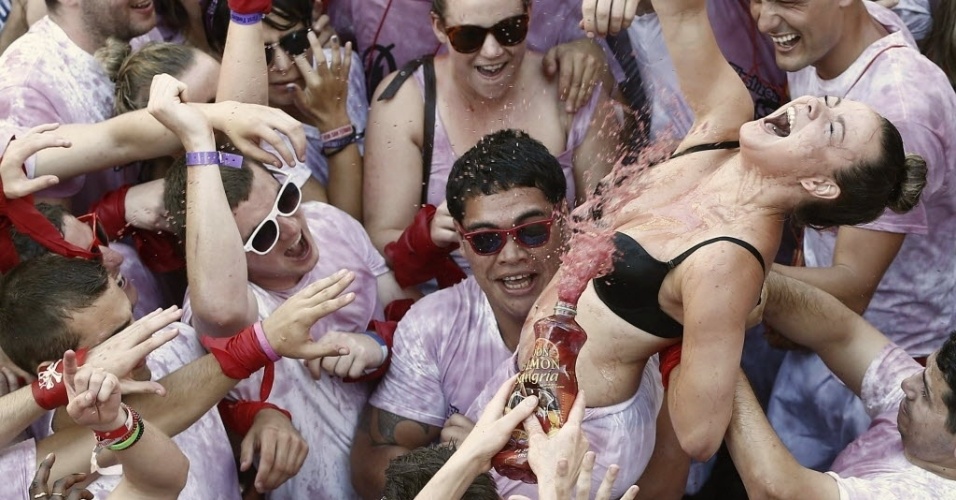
x: 491, y: 241
x: 468, y: 38
x: 294, y: 43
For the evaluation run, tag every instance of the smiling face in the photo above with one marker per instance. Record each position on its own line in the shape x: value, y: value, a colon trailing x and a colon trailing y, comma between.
x: 295, y: 253
x: 812, y: 136
x: 493, y: 69
x: 513, y: 278
x: 922, y: 416
x: 803, y: 31
x: 123, y: 19
x: 283, y: 70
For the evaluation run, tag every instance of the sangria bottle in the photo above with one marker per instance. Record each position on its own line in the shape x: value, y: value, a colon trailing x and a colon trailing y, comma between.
x: 550, y: 376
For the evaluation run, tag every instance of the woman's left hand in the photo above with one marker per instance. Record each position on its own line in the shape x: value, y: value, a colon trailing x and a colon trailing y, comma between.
x: 327, y: 84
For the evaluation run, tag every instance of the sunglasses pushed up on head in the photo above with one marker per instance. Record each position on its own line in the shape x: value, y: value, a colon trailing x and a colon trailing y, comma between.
x: 468, y: 38
x: 265, y: 236
x: 491, y: 241
x: 294, y: 43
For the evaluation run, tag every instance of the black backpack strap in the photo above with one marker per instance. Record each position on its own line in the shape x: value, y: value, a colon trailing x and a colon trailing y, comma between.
x: 428, y: 133
x: 428, y: 141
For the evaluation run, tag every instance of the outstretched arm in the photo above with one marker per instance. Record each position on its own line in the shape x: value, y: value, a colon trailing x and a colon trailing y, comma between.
x: 815, y: 319
x: 712, y: 89
x: 766, y: 466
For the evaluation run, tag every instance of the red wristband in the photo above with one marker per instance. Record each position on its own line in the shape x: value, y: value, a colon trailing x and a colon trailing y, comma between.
x: 238, y: 416
x: 49, y: 391
x: 670, y: 358
x: 239, y: 356
x: 416, y: 259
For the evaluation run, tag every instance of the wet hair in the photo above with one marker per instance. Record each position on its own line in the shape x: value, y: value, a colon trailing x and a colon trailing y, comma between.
x: 940, y: 45
x: 895, y: 180
x: 133, y: 72
x: 439, y: 7
x: 27, y: 248
x: 946, y: 362
x: 37, y: 298
x: 501, y: 161
x: 408, y: 474
x: 237, y: 183
x: 285, y: 15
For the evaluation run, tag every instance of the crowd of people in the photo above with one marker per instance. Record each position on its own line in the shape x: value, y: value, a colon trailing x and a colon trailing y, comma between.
x: 242, y: 256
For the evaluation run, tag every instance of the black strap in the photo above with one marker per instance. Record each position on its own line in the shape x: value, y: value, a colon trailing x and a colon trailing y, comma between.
x: 708, y: 147
x: 428, y: 133
x: 671, y: 264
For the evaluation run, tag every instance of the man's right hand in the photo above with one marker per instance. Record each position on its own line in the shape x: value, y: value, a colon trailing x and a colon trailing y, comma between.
x: 280, y: 447
x: 288, y: 328
x: 15, y: 181
x: 121, y: 353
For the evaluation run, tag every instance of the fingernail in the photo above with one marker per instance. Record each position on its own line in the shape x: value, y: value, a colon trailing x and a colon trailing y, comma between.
x: 334, y: 39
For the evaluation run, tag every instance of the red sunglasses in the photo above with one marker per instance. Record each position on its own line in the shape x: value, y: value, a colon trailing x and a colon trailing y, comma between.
x: 491, y: 241
x: 100, y: 236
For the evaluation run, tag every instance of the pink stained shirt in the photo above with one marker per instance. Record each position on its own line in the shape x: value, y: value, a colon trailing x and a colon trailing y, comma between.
x: 874, y: 467
x: 212, y: 468
x: 324, y: 411
x: 915, y: 303
x: 18, y: 462
x: 46, y: 78
x: 622, y: 434
x: 445, y: 350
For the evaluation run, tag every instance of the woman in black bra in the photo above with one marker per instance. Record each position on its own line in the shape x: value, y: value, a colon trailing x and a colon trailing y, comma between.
x: 695, y: 236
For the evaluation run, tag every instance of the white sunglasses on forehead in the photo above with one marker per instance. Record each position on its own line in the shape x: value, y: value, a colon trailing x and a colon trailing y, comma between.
x: 266, y: 235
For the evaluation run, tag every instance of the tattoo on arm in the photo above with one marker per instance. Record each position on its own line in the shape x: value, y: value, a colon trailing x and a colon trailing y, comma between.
x: 385, y: 425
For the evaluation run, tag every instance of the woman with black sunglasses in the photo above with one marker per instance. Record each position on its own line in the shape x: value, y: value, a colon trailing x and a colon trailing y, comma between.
x: 487, y: 81
x: 293, y: 64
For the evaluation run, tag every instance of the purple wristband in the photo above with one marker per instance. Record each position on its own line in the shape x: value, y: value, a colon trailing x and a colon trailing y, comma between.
x: 213, y: 158
x: 245, y: 19
x: 264, y: 342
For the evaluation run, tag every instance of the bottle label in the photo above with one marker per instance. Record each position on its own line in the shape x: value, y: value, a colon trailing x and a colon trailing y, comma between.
x: 541, y: 377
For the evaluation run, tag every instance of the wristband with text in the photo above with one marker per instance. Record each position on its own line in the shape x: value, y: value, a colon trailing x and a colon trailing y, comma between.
x: 198, y: 158
x: 246, y: 19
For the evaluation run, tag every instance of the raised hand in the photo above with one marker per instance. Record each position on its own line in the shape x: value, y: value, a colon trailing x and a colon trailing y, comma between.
x: 494, y: 427
x: 287, y: 329
x: 121, y: 353
x: 601, y: 17
x: 94, y: 395
x: 327, y: 85
x: 15, y: 181
x: 248, y: 125
x: 557, y: 459
x: 443, y: 231
x: 167, y: 103
x: 364, y: 353
x: 579, y: 65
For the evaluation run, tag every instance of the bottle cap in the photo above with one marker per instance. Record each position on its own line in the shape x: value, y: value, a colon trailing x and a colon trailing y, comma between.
x: 565, y: 308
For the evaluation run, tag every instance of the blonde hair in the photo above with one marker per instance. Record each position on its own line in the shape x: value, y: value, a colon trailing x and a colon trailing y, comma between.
x: 133, y: 72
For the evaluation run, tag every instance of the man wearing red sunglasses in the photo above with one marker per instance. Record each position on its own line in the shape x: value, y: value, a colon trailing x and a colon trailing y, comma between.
x: 507, y: 196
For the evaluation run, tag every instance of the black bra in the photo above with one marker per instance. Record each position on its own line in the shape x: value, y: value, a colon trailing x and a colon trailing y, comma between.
x: 632, y: 287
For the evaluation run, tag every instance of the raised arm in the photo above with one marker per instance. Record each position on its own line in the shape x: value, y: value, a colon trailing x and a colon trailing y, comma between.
x: 95, y: 403
x: 244, y: 72
x: 815, y: 319
x: 393, y: 163
x: 218, y: 276
x: 598, y: 151
x: 766, y: 466
x: 712, y: 89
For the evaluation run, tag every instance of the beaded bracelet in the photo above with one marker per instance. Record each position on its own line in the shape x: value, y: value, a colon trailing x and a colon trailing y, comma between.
x: 126, y: 444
